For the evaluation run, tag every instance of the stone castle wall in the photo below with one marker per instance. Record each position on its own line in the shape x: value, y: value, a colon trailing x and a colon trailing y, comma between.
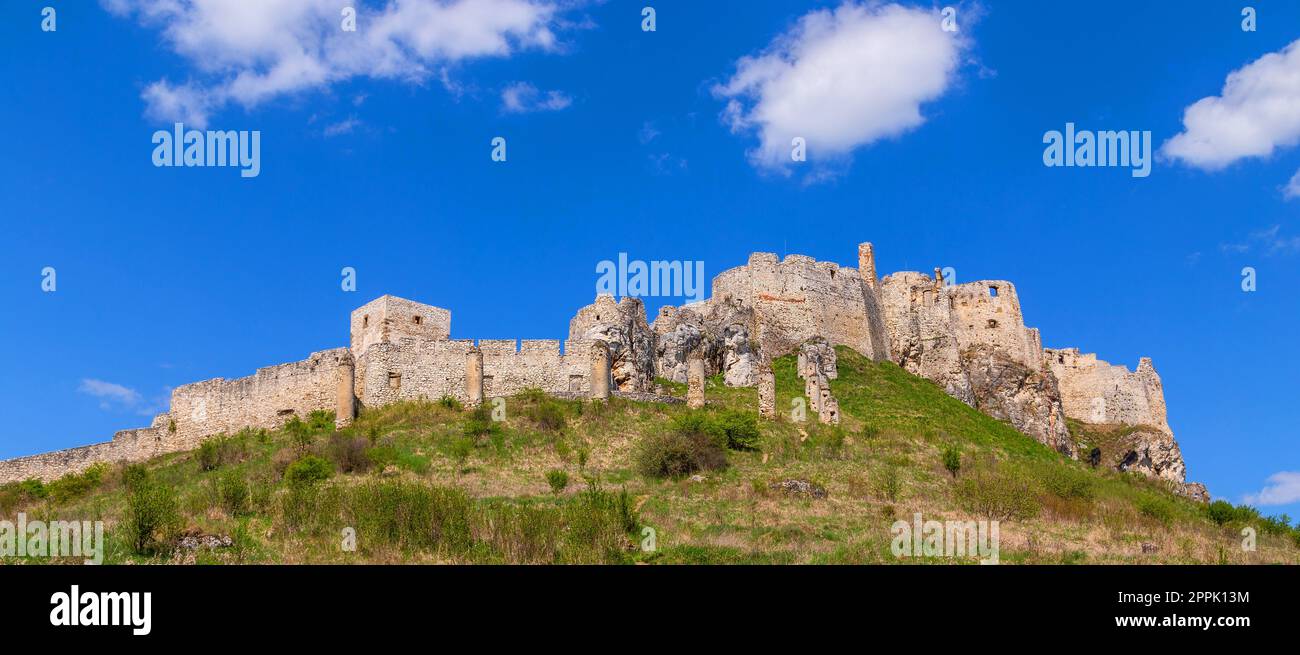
x: 970, y: 339
x: 1098, y: 392
x: 799, y: 298
x: 412, y: 369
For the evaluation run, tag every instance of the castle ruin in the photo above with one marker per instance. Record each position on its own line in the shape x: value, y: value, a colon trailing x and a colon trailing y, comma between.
x: 970, y: 339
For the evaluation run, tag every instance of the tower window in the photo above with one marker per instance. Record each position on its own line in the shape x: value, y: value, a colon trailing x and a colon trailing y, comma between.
x: 394, y: 381
x: 365, y: 321
x: 417, y: 320
x: 993, y: 292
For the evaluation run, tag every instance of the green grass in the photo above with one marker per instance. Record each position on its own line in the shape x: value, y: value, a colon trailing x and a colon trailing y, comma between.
x: 434, y: 482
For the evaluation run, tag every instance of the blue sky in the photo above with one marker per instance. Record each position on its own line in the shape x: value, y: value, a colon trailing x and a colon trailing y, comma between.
x: 620, y: 140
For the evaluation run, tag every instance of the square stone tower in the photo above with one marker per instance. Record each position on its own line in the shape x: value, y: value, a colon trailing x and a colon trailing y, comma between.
x: 389, y: 318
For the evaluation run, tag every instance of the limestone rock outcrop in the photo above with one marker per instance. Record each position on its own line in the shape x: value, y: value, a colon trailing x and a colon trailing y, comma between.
x: 720, y: 331
x: 620, y: 325
x: 1105, y: 397
x: 971, y: 340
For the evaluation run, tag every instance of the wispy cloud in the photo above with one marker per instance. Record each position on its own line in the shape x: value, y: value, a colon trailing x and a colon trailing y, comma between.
x: 117, y: 397
x: 522, y: 98
x: 647, y: 133
x: 1267, y: 241
x: 345, y: 126
x: 1283, y: 488
x: 247, y: 53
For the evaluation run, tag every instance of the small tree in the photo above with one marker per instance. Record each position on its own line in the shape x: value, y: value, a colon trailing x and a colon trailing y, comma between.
x: 558, y: 479
x: 952, y: 460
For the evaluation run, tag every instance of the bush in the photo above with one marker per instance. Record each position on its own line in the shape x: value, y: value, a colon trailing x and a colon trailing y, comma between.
x: 885, y: 484
x: 221, y: 450
x: 1221, y: 512
x: 548, y: 416
x: 300, y: 433
x: 450, y: 402
x: 480, y: 424
x: 410, y: 515
x: 75, y: 485
x: 349, y: 453
x: 33, y: 489
x: 999, y: 493
x: 1156, y: 508
x: 151, y: 518
x: 952, y: 460
x: 1067, y: 483
x: 558, y: 479
x: 675, y: 455
x: 729, y: 429
x: 308, y: 470
x: 234, y: 493
x: 741, y: 430
x: 320, y: 421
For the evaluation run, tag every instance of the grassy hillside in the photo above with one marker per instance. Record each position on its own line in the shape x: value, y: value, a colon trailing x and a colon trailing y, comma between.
x: 579, y: 482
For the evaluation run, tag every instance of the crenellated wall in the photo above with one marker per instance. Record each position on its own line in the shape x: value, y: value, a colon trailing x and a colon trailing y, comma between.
x: 970, y: 339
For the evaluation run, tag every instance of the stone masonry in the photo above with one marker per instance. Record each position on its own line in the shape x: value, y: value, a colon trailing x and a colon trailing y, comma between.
x: 970, y: 339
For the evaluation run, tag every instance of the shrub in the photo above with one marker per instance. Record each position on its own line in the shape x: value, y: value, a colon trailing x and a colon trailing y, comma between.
x: 221, y: 450
x: 1156, y: 508
x: 547, y: 416
x: 320, y: 421
x: 75, y: 485
x: 234, y: 493
x: 460, y: 449
x: 952, y: 459
x: 349, y: 453
x: 300, y: 433
x: 310, y: 508
x: 597, y: 525
x: 1067, y: 483
x: 741, y: 430
x: 885, y: 483
x: 450, y: 402
x: 410, y: 515
x: 480, y: 424
x: 33, y: 489
x: 1221, y: 512
x: 309, y: 469
x: 728, y: 429
x: 558, y: 479
x: 999, y: 492
x: 151, y: 518
x: 674, y: 455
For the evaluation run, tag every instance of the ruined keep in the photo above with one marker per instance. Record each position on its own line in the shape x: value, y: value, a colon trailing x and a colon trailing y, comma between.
x: 970, y: 339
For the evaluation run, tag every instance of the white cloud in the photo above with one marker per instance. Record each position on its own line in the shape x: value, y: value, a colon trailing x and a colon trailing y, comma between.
x: 1292, y: 189
x: 345, y: 126
x: 248, y: 52
x: 1254, y: 115
x: 841, y: 79
x: 110, y: 395
x: 522, y: 97
x: 116, y: 397
x: 1283, y: 489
